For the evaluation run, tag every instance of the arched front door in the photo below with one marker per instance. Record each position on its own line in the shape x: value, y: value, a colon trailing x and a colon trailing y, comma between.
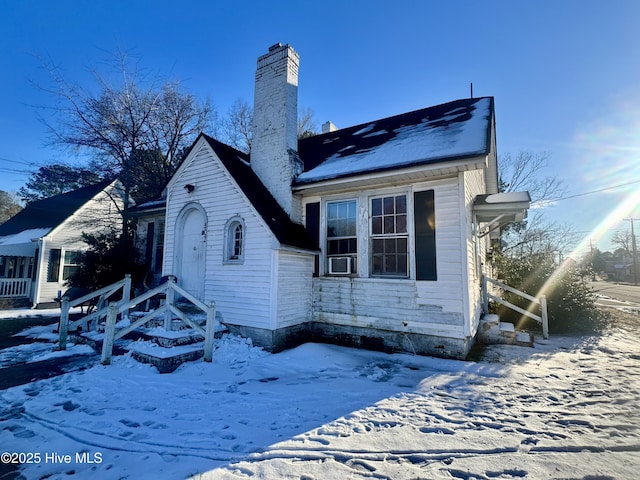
x: 191, y: 236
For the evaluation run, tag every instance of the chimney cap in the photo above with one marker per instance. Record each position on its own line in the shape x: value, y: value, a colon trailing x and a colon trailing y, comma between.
x: 275, y: 47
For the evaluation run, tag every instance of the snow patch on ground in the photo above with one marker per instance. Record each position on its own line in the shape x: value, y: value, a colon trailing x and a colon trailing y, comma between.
x: 567, y: 408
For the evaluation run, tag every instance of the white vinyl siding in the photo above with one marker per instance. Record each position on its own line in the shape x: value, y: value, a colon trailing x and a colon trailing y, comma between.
x: 98, y: 215
x: 294, y: 274
x: 475, y: 249
x: 428, y: 307
x: 243, y: 291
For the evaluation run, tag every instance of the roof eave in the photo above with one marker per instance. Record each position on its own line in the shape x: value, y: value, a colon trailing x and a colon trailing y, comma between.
x: 406, y: 174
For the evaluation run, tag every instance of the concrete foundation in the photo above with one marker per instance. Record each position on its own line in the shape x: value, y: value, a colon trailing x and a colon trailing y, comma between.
x: 357, y: 337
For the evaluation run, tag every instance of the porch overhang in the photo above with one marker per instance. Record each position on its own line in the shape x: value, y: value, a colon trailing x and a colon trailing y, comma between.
x: 22, y: 244
x: 498, y: 209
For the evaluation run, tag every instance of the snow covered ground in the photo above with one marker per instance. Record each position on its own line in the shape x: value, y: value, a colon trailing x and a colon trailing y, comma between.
x: 567, y: 409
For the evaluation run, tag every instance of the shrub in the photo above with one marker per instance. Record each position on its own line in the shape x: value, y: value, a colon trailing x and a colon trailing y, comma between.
x: 109, y: 257
x: 571, y: 304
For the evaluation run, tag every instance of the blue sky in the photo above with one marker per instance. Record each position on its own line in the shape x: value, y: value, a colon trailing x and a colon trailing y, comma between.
x: 565, y: 74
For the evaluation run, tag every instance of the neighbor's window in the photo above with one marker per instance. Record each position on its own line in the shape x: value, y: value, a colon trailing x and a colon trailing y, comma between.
x: 53, y: 270
x: 235, y: 237
x: 71, y: 262
x: 389, y: 237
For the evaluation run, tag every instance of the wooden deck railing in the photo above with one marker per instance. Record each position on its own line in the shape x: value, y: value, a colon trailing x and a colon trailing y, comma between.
x: 121, y: 308
x: 541, y: 302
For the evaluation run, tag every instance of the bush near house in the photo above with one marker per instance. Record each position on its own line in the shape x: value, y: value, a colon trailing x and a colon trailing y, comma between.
x: 109, y: 258
x: 570, y: 302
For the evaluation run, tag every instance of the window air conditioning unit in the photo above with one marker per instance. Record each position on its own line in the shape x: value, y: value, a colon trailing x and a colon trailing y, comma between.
x: 340, y: 265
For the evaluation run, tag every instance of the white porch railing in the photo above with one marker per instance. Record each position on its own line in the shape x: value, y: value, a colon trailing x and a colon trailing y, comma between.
x: 541, y: 302
x: 15, y: 287
x: 121, y: 308
x: 99, y: 299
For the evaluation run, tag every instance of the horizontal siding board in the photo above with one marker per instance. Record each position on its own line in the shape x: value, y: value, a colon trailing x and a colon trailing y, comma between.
x: 241, y: 291
x: 295, y: 289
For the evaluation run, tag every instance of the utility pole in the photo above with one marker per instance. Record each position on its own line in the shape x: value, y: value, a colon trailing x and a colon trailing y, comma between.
x: 634, y: 250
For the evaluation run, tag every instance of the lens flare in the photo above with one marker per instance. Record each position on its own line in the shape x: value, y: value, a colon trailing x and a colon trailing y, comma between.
x: 623, y: 210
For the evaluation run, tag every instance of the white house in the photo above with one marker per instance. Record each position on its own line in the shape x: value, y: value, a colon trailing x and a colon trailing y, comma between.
x: 373, y: 235
x: 39, y: 245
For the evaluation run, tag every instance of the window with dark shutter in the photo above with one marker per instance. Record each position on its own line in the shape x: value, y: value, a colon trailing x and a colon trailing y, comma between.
x: 313, y: 227
x: 425, y: 235
x: 53, y: 272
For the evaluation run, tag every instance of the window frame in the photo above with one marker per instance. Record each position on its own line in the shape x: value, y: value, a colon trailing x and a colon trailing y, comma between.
x: 65, y: 265
x: 349, y: 241
x: 231, y: 256
x: 388, y: 225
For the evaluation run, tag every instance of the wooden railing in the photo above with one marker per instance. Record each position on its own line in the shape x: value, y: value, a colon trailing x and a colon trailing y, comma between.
x: 121, y: 309
x: 15, y: 287
x: 541, y: 302
x: 169, y: 289
x: 98, y: 298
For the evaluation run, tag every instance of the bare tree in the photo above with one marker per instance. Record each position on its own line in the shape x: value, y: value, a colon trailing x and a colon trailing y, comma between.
x: 622, y: 239
x: 136, y: 113
x: 237, y: 127
x: 538, y: 235
x: 306, y: 123
x: 525, y: 171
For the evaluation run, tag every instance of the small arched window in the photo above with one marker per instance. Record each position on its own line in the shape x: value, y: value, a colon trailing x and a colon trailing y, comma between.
x: 234, y: 244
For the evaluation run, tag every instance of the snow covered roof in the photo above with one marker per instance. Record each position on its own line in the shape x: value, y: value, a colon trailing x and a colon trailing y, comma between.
x: 454, y: 130
x: 21, y: 244
x: 50, y: 212
x: 285, y: 230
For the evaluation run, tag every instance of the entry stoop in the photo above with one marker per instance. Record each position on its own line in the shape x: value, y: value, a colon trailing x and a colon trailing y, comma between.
x: 167, y: 350
x: 492, y: 331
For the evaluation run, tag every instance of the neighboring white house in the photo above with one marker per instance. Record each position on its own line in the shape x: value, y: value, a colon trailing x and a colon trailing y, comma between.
x: 39, y: 245
x: 373, y: 235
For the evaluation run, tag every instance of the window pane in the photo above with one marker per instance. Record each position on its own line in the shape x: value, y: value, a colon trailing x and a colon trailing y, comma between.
x: 390, y: 264
x: 388, y: 224
x: 401, y: 224
x: 388, y: 205
x: 402, y: 264
x: 376, y: 266
x: 401, y: 204
x: 378, y: 246
x: 376, y: 225
x: 376, y: 207
x: 401, y: 245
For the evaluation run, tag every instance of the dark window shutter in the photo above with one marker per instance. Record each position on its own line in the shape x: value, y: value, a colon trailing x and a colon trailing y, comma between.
x: 425, y: 228
x: 313, y: 227
x: 148, y: 252
x: 53, y: 273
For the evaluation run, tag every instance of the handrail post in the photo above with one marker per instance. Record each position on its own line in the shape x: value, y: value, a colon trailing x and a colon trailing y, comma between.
x: 169, y: 300
x: 209, y: 332
x: 64, y: 323
x: 126, y: 290
x: 545, y: 318
x: 109, y: 332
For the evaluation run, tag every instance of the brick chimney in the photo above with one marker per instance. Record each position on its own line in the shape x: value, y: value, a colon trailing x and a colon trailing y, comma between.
x: 274, y: 145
